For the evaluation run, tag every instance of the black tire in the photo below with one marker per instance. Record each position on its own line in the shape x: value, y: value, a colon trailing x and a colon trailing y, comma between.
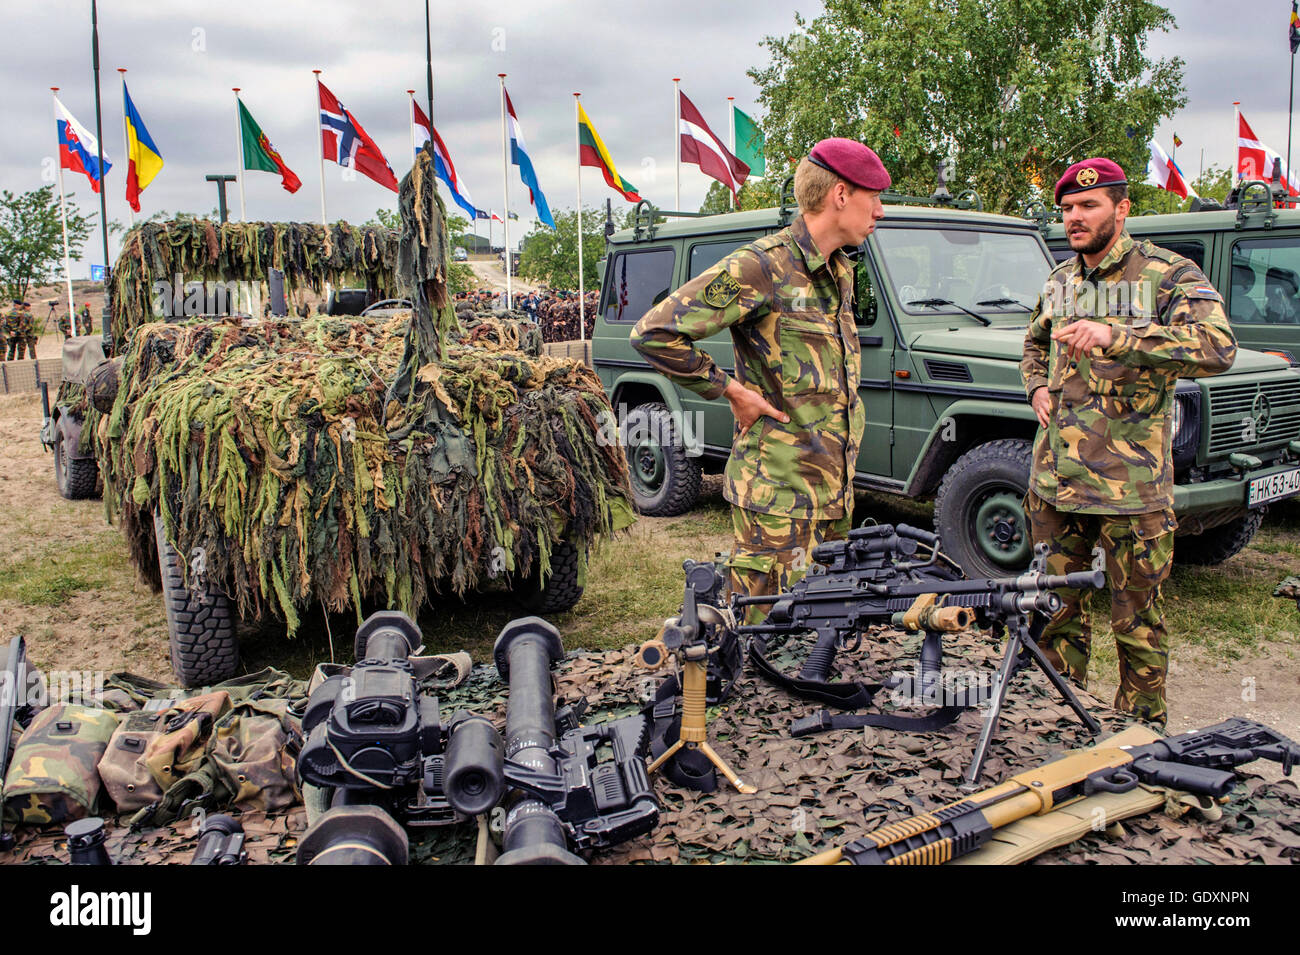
x: 561, y: 590
x: 77, y: 478
x: 1217, y: 544
x: 665, y: 482
x: 200, y: 627
x: 979, y: 511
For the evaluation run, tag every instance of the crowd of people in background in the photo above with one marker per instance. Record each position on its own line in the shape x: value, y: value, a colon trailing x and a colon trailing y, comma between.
x: 555, y: 311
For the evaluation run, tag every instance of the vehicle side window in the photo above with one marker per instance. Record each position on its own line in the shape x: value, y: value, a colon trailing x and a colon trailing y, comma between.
x: 1189, y: 248
x: 864, y: 294
x: 638, y: 281
x: 707, y: 254
x: 1060, y: 255
x: 1265, y: 287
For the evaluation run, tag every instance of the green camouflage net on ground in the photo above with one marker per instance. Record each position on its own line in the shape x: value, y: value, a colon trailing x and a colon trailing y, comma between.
x: 379, y: 458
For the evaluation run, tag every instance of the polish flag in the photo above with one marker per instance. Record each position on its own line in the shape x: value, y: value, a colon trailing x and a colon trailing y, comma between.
x: 700, y: 146
x: 1255, y: 159
x: 1162, y: 172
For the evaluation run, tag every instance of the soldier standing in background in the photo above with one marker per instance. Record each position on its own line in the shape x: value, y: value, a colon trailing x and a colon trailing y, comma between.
x: 63, y: 320
x: 1113, y: 331
x: 788, y: 300
x: 28, y: 329
x: 84, y: 324
x: 13, y: 325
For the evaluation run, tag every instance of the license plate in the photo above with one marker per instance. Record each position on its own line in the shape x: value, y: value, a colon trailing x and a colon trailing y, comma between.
x: 1273, y: 487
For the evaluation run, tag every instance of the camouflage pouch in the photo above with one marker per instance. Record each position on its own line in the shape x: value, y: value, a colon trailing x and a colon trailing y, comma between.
x: 255, y: 748
x: 53, y: 777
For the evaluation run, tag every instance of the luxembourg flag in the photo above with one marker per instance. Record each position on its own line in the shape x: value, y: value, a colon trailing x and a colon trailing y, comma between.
x: 1162, y: 172
x: 78, y: 150
x: 519, y: 157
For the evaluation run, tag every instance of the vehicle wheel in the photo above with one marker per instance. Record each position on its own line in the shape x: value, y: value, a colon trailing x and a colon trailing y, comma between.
x: 77, y: 478
x: 979, y: 511
x: 665, y: 482
x: 200, y: 626
x: 562, y: 589
x: 1217, y: 544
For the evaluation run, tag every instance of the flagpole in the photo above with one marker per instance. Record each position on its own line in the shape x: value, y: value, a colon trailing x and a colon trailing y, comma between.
x: 410, y: 122
x: 1290, y: 100
x: 505, y: 186
x: 1236, y: 138
x: 320, y: 154
x: 239, y: 166
x: 126, y: 143
x: 63, y: 214
x: 731, y: 122
x: 99, y: 136
x: 677, y: 144
x: 577, y: 139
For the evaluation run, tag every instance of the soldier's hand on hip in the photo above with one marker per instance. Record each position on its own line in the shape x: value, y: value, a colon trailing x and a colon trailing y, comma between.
x: 748, y: 406
x: 1083, y: 336
x: 1041, y: 402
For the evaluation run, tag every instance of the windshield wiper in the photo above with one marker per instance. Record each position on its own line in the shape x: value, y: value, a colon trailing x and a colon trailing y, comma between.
x: 1005, y: 301
x: 935, y: 302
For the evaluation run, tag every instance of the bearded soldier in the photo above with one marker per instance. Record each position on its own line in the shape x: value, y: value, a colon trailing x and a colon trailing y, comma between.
x: 1114, y: 330
x: 788, y: 300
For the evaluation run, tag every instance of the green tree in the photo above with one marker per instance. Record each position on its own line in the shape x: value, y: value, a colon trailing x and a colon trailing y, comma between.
x: 1012, y: 92
x: 755, y: 194
x: 31, y: 238
x: 551, y: 256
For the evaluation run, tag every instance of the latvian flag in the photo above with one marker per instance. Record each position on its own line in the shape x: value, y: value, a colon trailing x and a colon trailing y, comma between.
x: 1255, y: 159
x: 700, y: 146
x: 345, y: 142
x: 1162, y: 172
x: 78, y: 150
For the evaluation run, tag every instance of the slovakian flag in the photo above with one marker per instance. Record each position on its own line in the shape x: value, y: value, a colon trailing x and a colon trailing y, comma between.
x: 1255, y: 159
x: 700, y: 146
x: 344, y: 141
x: 143, y: 159
x: 258, y: 152
x: 519, y: 156
x: 78, y: 150
x: 592, y: 152
x: 1163, y: 172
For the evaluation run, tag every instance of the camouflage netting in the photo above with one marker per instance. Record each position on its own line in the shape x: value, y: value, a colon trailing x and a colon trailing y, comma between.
x: 279, y: 450
x: 818, y: 792
x: 308, y: 253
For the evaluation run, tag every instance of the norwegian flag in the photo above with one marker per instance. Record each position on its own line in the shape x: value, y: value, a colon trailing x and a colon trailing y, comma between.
x: 345, y: 142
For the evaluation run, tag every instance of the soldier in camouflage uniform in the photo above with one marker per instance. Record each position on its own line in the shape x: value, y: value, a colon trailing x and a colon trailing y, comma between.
x: 788, y: 300
x: 29, y: 330
x: 1114, y: 330
x: 15, y: 331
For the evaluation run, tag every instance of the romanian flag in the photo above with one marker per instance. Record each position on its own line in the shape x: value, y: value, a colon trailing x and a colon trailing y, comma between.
x: 143, y: 160
x: 258, y: 152
x: 592, y: 152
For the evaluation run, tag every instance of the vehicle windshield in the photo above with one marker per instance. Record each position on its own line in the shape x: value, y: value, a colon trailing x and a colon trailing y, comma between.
x: 948, y: 271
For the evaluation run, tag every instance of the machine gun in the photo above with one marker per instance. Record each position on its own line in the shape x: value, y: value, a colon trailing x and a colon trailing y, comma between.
x: 872, y: 577
x: 382, y: 751
x: 1196, y: 762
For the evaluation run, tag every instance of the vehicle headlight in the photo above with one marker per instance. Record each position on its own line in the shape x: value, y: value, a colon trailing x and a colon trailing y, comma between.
x: 1179, y: 418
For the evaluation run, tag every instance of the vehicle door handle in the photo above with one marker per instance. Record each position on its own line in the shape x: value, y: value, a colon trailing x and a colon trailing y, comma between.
x: 871, y: 339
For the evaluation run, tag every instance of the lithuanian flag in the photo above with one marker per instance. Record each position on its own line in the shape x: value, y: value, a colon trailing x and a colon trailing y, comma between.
x: 260, y: 154
x: 143, y: 161
x: 592, y: 152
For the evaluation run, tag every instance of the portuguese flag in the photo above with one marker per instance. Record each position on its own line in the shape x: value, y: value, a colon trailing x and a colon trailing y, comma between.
x: 260, y: 154
x: 592, y: 152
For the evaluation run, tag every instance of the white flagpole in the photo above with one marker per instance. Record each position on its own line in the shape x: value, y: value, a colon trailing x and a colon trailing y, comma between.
x: 677, y: 144
x: 320, y: 154
x: 1236, y: 138
x: 731, y: 122
x: 410, y: 122
x: 63, y: 213
x: 126, y: 141
x: 239, y: 166
x: 577, y: 136
x: 505, y: 184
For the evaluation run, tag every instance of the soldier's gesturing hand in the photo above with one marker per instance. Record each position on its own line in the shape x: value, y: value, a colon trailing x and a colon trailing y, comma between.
x: 748, y: 406
x: 1083, y: 336
x: 1041, y: 402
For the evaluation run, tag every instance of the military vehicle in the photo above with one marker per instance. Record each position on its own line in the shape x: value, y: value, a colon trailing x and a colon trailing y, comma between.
x: 1249, y: 250
x: 943, y: 295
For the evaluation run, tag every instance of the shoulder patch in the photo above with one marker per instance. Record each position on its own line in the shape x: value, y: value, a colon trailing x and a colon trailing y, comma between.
x: 769, y: 241
x: 722, y: 291
x: 1152, y: 251
x: 1203, y: 292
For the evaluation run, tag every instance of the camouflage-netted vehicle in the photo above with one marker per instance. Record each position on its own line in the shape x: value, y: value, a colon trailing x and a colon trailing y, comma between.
x: 262, y: 465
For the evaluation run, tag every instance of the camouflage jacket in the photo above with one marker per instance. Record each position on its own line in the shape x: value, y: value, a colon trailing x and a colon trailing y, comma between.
x: 790, y: 312
x: 1107, y: 448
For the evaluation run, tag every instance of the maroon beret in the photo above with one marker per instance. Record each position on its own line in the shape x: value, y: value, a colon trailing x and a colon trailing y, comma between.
x: 1089, y: 174
x: 851, y: 161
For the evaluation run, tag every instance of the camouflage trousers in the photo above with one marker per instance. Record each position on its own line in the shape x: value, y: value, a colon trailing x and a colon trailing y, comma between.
x: 770, y: 552
x: 17, y: 349
x: 1139, y: 550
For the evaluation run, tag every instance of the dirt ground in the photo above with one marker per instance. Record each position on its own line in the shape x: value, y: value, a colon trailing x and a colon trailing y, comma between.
x: 66, y: 584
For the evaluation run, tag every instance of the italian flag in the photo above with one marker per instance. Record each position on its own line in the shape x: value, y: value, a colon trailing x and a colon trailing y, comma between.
x: 259, y: 154
x: 592, y: 152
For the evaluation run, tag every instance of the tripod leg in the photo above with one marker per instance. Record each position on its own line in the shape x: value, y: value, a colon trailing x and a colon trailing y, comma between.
x: 994, y: 712
x: 720, y: 763
x: 665, y: 756
x: 1058, y: 681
